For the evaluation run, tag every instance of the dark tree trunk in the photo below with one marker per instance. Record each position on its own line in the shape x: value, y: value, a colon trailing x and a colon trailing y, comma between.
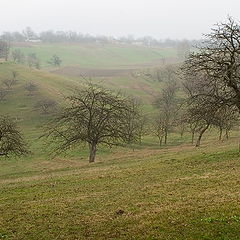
x: 200, y: 135
x: 160, y: 141
x: 193, y: 135
x: 92, y: 152
x: 165, y: 137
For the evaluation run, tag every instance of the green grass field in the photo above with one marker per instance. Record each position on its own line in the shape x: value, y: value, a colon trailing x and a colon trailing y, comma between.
x: 131, y: 192
x: 97, y: 55
x: 141, y: 194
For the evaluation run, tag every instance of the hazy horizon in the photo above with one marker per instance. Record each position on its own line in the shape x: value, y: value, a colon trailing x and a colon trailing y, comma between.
x: 160, y: 19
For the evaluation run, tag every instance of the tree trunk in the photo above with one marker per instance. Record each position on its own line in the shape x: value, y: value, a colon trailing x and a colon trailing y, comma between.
x: 193, y: 135
x: 200, y: 135
x: 92, y: 152
x: 227, y: 134
x: 165, y: 137
x: 220, y: 134
x: 182, y: 132
x: 160, y: 141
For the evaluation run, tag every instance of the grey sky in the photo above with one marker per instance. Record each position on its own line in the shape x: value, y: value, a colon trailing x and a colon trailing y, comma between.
x: 158, y: 18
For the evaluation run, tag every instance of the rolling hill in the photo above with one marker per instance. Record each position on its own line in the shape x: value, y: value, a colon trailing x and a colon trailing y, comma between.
x: 98, y: 55
x: 132, y: 192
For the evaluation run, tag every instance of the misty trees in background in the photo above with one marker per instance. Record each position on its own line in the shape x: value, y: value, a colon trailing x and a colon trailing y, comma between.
x: 46, y: 105
x: 29, y: 33
x: 11, y: 140
x: 55, y: 61
x: 33, y: 61
x: 95, y: 116
x: 133, y: 122
x: 168, y: 105
x: 9, y: 82
x: 216, y: 63
x: 18, y: 56
x: 167, y: 74
x: 4, y: 49
x: 31, y: 88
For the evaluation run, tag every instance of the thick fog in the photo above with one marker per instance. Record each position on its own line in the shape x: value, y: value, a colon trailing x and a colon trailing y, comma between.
x: 176, y: 19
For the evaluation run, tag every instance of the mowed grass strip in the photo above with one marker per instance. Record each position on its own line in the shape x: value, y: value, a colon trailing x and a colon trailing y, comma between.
x: 175, y: 193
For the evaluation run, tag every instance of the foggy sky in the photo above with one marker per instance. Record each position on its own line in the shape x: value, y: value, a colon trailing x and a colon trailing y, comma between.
x: 175, y: 19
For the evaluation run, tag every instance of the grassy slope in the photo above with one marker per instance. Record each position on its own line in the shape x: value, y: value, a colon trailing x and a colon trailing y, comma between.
x: 20, y: 105
x: 54, y: 86
x: 145, y: 194
x: 150, y: 193
x: 97, y: 56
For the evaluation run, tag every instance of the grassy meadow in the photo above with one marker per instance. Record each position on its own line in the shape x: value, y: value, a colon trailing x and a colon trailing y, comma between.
x: 131, y: 192
x: 98, y: 55
x: 171, y: 193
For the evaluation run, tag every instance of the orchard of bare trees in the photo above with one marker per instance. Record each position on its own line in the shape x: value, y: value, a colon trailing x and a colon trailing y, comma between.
x: 202, y: 94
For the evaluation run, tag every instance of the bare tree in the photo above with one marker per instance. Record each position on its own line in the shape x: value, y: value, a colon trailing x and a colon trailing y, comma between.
x: 143, y: 126
x: 31, y: 88
x: 33, y: 61
x: 11, y: 140
x: 11, y: 81
x: 95, y: 116
x: 18, y: 56
x: 202, y: 114
x: 193, y: 126
x: 3, y: 93
x: 168, y: 105
x: 29, y: 33
x: 226, y: 118
x: 217, y: 64
x: 132, y: 122
x: 46, y: 105
x: 159, y: 127
x: 55, y: 61
x: 168, y: 73
x: 4, y: 49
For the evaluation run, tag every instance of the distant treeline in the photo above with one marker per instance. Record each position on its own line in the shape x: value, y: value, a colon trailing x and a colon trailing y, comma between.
x: 28, y: 35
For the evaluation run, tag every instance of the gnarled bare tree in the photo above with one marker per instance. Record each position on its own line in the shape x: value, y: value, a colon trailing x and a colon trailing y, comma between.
x: 217, y: 63
x: 95, y: 116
